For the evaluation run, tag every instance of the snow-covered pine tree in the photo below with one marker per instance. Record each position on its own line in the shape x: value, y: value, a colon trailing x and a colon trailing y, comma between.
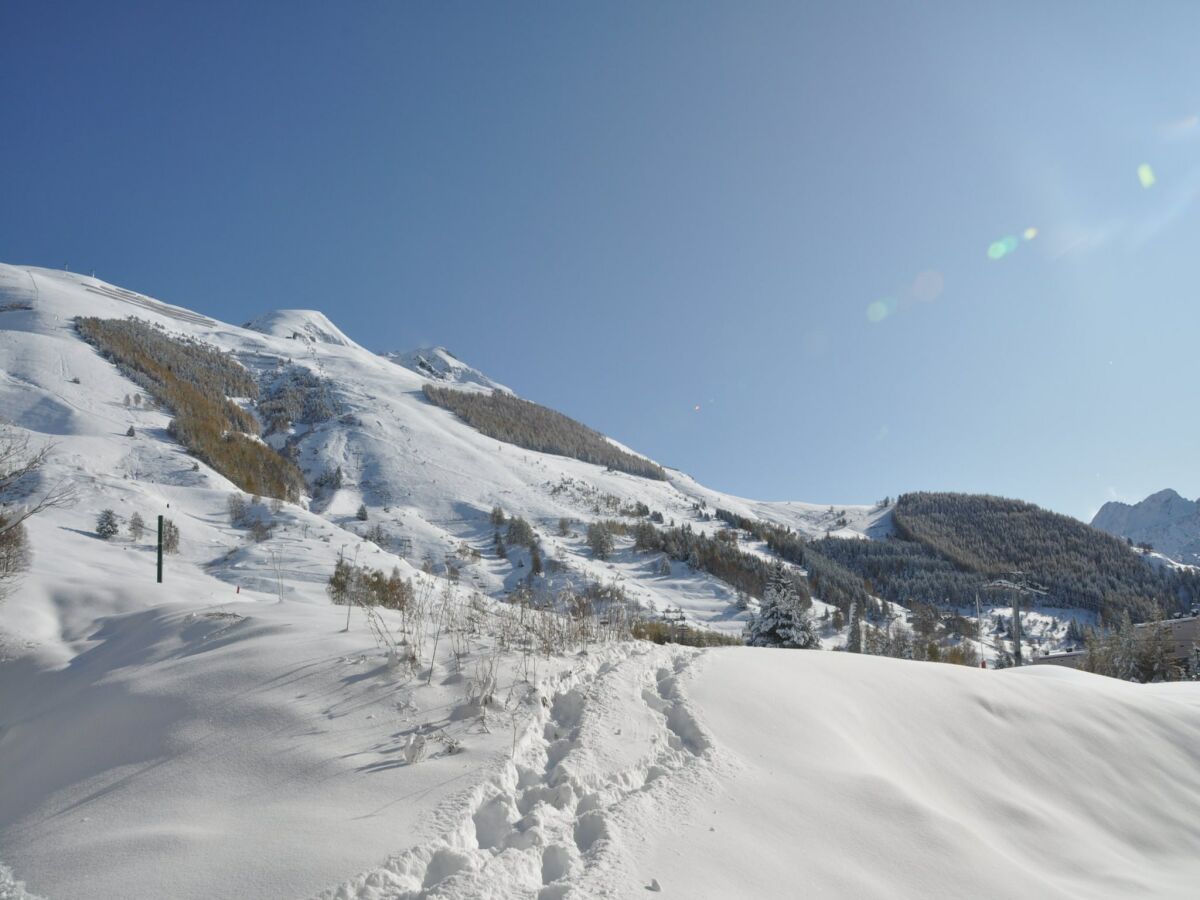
x: 106, y: 524
x: 781, y: 621
x: 854, y: 642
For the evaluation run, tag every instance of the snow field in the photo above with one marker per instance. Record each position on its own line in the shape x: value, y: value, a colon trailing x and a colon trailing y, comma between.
x: 872, y: 777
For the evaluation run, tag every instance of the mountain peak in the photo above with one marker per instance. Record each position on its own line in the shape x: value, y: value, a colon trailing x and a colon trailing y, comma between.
x: 1166, y: 495
x: 1165, y: 520
x: 300, y: 324
x: 439, y: 364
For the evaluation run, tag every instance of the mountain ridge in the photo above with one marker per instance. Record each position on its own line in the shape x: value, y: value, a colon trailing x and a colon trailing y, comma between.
x: 1167, y: 521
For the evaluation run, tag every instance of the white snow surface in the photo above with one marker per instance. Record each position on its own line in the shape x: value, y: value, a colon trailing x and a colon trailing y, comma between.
x: 439, y: 364
x: 868, y: 777
x: 300, y: 325
x: 222, y: 735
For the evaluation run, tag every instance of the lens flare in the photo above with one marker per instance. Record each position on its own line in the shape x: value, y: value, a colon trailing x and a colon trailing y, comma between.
x: 928, y: 285
x: 1001, y: 248
x: 1146, y: 175
x: 877, y: 311
x: 1030, y: 233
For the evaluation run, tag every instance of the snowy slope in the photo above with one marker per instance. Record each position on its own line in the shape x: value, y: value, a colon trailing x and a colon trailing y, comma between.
x: 224, y: 734
x: 439, y: 364
x: 1165, y: 520
x: 429, y: 480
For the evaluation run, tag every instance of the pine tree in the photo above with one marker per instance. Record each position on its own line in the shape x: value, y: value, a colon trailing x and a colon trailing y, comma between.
x: 361, y: 515
x: 781, y: 621
x: 854, y: 638
x: 600, y: 540
x: 535, y: 560
x: 136, y: 526
x: 106, y: 524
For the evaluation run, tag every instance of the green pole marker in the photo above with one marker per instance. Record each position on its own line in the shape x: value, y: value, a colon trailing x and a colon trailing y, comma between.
x: 160, y: 531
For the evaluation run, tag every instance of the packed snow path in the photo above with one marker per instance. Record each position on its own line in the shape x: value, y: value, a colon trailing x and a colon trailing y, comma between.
x: 610, y: 749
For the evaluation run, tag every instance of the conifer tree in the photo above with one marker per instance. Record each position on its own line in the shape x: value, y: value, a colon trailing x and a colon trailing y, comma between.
x: 106, y: 524
x: 600, y: 540
x: 781, y: 621
x: 854, y: 638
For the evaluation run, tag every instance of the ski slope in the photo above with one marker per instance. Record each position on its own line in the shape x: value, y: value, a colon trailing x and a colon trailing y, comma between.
x: 225, y: 733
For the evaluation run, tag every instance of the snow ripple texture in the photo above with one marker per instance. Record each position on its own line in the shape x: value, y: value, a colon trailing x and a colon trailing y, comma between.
x: 558, y: 818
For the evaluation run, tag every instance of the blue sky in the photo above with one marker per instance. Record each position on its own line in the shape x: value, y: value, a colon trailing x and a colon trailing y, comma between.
x: 749, y: 239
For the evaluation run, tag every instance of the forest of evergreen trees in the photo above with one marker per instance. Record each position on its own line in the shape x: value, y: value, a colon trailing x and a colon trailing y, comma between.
x: 1078, y: 565
x: 296, y: 394
x: 507, y: 418
x: 948, y: 547
x: 904, y: 572
x: 195, y: 382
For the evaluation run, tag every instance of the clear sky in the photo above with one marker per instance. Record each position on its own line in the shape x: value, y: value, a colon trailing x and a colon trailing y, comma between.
x: 752, y: 240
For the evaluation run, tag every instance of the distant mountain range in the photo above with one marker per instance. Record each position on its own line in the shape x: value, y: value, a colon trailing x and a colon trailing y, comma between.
x: 1166, y: 521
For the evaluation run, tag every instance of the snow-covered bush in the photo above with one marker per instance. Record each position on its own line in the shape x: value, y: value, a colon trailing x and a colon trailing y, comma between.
x: 170, y: 536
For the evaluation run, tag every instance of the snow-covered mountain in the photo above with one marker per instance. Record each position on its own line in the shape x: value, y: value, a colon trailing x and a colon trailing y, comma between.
x: 439, y: 364
x: 429, y: 480
x: 1165, y: 520
x: 230, y: 732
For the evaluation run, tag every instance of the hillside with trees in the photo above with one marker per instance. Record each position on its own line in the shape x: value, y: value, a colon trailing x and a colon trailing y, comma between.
x: 948, y: 547
x: 510, y: 419
x: 195, y: 381
x: 1078, y: 565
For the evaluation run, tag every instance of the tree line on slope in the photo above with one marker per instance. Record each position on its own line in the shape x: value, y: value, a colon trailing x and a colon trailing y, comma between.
x: 717, y: 556
x: 831, y: 581
x: 506, y: 418
x: 948, y: 547
x: 195, y: 381
x: 1078, y: 565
